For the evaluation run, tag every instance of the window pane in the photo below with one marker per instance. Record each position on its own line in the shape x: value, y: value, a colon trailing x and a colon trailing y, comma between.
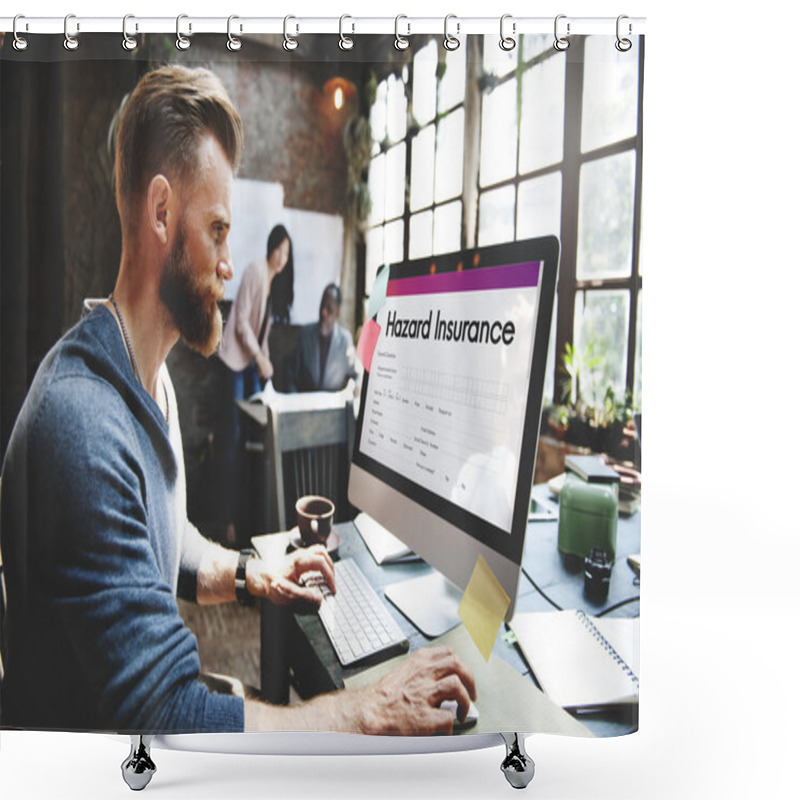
x: 497, y: 61
x: 535, y: 43
x: 395, y: 181
x: 605, y: 217
x: 539, y: 207
x: 396, y: 108
x: 393, y: 242
x: 610, y: 92
x: 637, y: 365
x: 601, y: 323
x: 420, y: 235
x: 453, y: 83
x: 377, y: 189
x: 450, y: 156
x: 422, y: 150
x: 374, y: 240
x: 542, y: 128
x: 377, y: 117
x: 424, y: 93
x: 499, y: 134
x: 447, y: 228
x: 496, y: 215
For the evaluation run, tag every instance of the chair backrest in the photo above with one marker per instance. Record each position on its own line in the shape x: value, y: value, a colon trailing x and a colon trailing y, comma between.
x: 310, y: 453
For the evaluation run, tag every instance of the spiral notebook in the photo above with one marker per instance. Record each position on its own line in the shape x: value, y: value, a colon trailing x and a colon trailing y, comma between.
x: 581, y: 662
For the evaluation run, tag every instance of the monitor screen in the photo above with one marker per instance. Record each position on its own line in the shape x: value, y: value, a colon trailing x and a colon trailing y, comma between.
x: 451, y: 404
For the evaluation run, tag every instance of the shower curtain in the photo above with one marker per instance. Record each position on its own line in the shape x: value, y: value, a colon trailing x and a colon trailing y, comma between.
x: 370, y: 150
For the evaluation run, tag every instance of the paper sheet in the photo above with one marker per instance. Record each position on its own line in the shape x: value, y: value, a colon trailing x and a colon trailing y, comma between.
x: 483, y: 607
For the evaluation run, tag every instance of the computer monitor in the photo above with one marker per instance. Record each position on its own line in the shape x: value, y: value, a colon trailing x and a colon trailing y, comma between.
x: 450, y: 412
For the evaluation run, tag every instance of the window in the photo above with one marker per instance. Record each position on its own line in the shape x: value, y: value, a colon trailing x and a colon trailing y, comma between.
x: 552, y: 145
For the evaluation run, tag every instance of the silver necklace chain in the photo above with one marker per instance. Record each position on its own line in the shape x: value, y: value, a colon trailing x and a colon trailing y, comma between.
x: 129, y: 348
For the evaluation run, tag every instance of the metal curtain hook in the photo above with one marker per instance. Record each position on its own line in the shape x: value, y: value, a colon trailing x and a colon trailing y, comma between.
x: 561, y: 42
x: 20, y: 42
x: 288, y: 42
x: 345, y: 42
x: 400, y: 42
x: 234, y: 44
x: 623, y: 45
x: 507, y: 42
x: 128, y: 42
x: 181, y: 42
x: 70, y: 42
x: 451, y: 42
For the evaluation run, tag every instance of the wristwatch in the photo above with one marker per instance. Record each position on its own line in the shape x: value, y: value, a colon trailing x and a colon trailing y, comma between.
x: 242, y: 595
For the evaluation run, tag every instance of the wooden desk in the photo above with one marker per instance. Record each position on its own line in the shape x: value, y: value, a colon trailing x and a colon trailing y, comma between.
x: 294, y: 640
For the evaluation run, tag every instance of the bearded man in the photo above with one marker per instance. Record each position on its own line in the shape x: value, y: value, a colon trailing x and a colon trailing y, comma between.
x: 95, y: 538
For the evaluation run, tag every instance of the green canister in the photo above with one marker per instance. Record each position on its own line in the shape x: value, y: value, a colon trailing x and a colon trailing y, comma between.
x: 587, y: 517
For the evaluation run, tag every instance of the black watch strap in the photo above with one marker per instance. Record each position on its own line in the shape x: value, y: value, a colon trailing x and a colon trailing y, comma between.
x: 242, y: 595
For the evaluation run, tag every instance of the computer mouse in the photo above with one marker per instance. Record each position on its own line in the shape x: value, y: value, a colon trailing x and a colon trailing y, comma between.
x: 469, y: 721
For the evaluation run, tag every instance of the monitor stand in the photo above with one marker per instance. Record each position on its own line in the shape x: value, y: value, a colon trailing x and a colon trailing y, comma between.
x: 430, y: 602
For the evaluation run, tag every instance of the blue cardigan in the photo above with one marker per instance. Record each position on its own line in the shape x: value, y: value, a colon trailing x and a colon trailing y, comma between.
x: 95, y: 545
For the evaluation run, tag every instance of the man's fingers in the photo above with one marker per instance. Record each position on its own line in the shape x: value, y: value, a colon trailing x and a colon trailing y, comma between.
x: 444, y: 662
x: 451, y: 688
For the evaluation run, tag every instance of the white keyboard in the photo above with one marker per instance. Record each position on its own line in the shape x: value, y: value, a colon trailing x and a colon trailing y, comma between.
x: 355, y: 618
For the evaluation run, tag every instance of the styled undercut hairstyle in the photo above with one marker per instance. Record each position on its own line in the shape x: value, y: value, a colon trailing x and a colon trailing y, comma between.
x: 160, y: 126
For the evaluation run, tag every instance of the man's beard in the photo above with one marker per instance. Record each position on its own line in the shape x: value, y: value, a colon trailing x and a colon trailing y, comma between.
x: 192, y: 304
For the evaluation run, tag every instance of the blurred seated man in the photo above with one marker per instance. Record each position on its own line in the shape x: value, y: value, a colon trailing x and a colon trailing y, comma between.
x: 324, y: 358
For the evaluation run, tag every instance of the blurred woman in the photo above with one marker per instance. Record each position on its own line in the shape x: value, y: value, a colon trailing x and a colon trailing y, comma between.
x: 265, y: 294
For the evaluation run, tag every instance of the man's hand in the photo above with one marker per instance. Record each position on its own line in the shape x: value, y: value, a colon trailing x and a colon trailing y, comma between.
x: 281, y: 583
x: 407, y: 700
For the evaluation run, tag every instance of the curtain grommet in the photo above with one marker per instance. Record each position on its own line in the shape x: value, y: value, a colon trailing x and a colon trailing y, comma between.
x: 401, y: 42
x: 20, y: 42
x: 623, y: 44
x: 233, y: 44
x: 345, y: 42
x: 560, y: 43
x: 507, y: 43
x: 451, y: 42
x: 289, y: 42
x: 181, y: 41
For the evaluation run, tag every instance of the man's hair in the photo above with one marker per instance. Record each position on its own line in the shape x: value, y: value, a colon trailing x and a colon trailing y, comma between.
x: 335, y: 291
x: 161, y: 125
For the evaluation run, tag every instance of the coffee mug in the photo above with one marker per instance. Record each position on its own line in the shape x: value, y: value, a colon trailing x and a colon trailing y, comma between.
x: 314, y: 519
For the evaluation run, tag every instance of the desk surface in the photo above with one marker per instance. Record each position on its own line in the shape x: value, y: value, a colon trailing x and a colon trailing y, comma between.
x: 316, y: 668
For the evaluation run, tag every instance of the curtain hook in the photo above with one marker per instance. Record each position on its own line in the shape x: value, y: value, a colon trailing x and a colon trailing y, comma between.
x: 128, y: 42
x: 451, y: 42
x: 561, y: 42
x: 623, y: 45
x: 70, y: 42
x: 20, y: 42
x: 345, y: 42
x: 507, y: 42
x: 181, y: 42
x: 234, y: 44
x: 288, y: 42
x: 400, y: 42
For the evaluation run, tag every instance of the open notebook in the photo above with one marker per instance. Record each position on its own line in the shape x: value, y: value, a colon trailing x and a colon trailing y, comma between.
x: 581, y: 662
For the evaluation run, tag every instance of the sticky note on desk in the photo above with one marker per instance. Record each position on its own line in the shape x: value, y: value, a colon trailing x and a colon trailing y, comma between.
x: 367, y: 341
x: 483, y: 607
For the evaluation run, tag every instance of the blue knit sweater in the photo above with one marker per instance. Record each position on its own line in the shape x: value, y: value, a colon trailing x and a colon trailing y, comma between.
x: 95, y: 545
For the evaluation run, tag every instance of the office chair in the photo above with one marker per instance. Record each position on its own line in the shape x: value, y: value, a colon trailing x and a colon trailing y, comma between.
x: 310, y: 453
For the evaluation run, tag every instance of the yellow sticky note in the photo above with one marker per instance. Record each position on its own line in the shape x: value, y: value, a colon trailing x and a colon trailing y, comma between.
x: 483, y: 607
